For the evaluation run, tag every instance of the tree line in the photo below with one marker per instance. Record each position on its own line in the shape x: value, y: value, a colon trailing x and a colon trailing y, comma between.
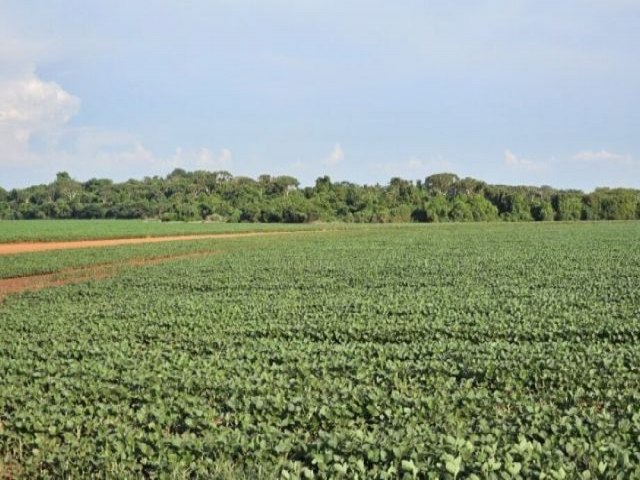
x: 220, y: 196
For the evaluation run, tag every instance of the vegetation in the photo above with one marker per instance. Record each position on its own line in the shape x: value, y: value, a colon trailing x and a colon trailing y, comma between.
x: 35, y: 263
x: 12, y: 231
x: 219, y: 196
x: 459, y: 351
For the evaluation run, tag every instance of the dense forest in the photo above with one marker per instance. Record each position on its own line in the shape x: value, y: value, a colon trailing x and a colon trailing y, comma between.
x: 219, y: 196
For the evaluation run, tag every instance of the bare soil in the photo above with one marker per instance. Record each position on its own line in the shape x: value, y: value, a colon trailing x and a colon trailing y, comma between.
x: 26, y: 247
x: 83, y: 274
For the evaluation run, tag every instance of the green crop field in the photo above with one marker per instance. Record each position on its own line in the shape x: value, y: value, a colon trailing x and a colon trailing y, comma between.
x: 492, y: 351
x: 34, y: 263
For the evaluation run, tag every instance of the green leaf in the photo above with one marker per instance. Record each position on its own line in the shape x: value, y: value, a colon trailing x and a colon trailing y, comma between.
x: 409, y: 466
x: 453, y: 465
x: 514, y: 468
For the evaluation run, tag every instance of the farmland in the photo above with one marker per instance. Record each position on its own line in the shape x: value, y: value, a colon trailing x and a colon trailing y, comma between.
x: 56, y: 230
x: 416, y: 351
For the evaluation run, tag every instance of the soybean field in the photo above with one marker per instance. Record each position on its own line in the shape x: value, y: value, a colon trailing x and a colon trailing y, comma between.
x: 57, y: 230
x: 486, y: 351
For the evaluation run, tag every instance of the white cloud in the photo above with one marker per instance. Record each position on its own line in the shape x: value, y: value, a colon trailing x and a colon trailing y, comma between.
x: 18, y: 55
x: 511, y: 160
x: 131, y: 155
x: 337, y: 155
x: 35, y: 104
x: 208, y: 160
x: 30, y: 107
x: 132, y: 158
x: 603, y: 156
x: 202, y: 159
x: 37, y: 140
x: 416, y: 167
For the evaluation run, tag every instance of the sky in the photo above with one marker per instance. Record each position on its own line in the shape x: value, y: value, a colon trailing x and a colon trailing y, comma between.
x: 538, y: 92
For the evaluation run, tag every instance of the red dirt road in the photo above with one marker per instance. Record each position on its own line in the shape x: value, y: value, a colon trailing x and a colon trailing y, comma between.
x: 83, y: 274
x: 98, y: 271
x: 26, y: 247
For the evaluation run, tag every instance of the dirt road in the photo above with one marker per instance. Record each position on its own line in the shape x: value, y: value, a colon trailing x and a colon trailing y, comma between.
x: 26, y: 247
x: 82, y: 274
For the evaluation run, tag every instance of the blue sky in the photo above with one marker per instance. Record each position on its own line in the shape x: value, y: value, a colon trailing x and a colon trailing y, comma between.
x: 511, y: 91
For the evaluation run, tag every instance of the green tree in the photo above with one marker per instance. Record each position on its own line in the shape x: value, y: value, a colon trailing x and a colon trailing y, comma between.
x: 482, y: 209
x: 568, y: 206
x: 542, y: 211
x: 461, y: 210
x: 437, y: 209
x: 518, y: 209
x: 219, y: 196
x: 65, y: 187
x: 440, y: 183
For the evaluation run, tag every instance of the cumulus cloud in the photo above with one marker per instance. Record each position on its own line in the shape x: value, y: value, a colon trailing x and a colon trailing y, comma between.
x: 512, y: 160
x: 337, y: 155
x: 131, y: 158
x: 603, y: 156
x: 206, y: 159
x: 37, y: 139
x: 29, y: 108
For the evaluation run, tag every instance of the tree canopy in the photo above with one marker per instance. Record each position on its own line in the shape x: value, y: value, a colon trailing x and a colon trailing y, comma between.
x: 220, y: 196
